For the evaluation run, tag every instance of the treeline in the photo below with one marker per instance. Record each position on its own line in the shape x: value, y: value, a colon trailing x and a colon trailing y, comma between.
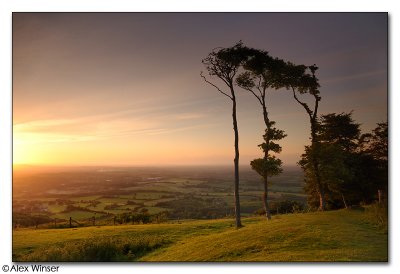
x: 340, y: 164
x: 352, y: 167
x: 142, y: 217
x: 191, y: 207
x: 283, y: 207
x: 29, y: 220
x: 40, y: 220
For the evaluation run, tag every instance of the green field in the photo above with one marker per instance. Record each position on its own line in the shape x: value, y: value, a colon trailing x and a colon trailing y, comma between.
x: 194, y: 193
x: 342, y: 235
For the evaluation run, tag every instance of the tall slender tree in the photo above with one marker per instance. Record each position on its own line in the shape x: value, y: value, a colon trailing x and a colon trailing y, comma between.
x: 264, y: 72
x: 300, y: 81
x: 224, y: 63
x: 269, y: 165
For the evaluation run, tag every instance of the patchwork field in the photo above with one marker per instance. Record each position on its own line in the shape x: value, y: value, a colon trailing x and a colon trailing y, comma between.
x: 51, y: 198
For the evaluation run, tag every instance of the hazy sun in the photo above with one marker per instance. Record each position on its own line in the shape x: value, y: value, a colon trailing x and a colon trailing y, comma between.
x: 25, y: 150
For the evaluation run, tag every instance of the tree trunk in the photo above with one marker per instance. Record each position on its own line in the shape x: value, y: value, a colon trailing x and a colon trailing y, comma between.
x: 344, y: 201
x: 236, y: 162
x: 265, y: 200
x: 266, y: 152
x: 320, y: 190
x: 379, y: 196
x: 313, y: 115
x: 321, y: 195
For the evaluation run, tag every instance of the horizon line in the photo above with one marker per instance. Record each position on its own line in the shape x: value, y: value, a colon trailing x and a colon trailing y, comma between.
x: 135, y: 165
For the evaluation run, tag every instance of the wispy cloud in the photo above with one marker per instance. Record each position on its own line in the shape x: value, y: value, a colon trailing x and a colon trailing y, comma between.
x: 101, y: 127
x: 188, y: 116
x: 353, y: 76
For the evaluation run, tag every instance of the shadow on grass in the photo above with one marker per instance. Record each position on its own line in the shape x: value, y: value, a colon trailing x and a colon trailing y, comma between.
x: 97, y: 250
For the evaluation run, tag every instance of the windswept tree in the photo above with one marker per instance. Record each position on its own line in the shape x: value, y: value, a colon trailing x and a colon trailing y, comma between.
x: 301, y: 79
x: 224, y: 64
x: 262, y: 73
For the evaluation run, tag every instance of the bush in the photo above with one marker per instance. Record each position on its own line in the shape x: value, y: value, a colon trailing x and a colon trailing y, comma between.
x: 26, y: 219
x: 259, y: 212
x: 377, y: 214
x: 286, y: 206
x: 281, y: 207
x: 97, y: 250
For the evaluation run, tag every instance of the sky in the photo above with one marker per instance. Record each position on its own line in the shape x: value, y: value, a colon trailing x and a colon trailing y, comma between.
x: 125, y: 88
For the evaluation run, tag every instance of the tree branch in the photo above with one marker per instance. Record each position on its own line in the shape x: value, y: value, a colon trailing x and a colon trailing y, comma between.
x: 317, y: 99
x: 252, y: 91
x: 205, y: 79
x: 258, y: 87
x: 309, y: 111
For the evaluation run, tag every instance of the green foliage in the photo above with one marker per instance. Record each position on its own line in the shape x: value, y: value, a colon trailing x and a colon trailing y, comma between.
x: 25, y: 219
x: 225, y: 62
x: 134, y: 218
x: 271, y: 166
x: 272, y: 134
x: 261, y: 72
x: 339, y: 129
x: 379, y: 141
x: 286, y: 206
x: 348, y: 172
x: 297, y: 77
x: 333, y: 152
x: 282, y: 207
x: 246, y: 80
x: 375, y: 145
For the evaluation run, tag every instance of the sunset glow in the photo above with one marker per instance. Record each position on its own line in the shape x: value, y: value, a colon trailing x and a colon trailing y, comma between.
x: 122, y: 89
x: 198, y: 137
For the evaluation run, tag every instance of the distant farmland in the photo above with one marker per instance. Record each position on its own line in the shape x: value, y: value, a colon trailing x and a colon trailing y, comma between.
x: 102, y: 193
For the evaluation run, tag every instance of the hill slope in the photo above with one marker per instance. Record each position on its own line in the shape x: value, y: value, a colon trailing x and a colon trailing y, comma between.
x: 321, y: 236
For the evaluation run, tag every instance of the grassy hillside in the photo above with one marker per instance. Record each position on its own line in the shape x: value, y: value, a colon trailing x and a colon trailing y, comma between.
x: 322, y: 236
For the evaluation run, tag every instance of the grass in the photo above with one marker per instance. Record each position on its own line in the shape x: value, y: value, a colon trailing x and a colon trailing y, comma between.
x: 328, y: 236
x: 377, y: 214
x: 30, y: 243
x: 56, y: 208
x: 342, y: 235
x: 98, y: 250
